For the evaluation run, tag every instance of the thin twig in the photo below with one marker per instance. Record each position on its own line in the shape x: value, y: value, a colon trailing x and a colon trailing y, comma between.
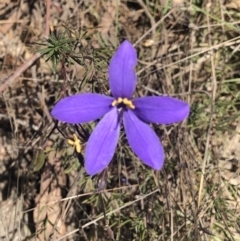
x: 48, y: 6
x: 235, y: 40
x: 149, y: 15
x: 153, y: 27
x: 8, y: 82
x: 108, y: 214
x: 19, y: 71
x: 214, y: 90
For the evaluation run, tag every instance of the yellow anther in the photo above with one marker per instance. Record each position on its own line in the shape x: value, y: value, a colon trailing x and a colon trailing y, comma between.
x: 76, y: 143
x: 125, y: 101
x: 118, y: 101
x: 114, y: 103
x: 128, y: 103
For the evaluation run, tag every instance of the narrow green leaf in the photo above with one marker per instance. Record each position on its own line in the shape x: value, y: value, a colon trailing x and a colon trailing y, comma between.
x: 38, y: 161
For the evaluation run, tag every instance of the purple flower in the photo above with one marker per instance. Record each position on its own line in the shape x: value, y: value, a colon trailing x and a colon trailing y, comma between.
x: 136, y: 113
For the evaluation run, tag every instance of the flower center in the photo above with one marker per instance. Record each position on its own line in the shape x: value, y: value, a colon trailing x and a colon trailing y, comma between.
x: 123, y: 101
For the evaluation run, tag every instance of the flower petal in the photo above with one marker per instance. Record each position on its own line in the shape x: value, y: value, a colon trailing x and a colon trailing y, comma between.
x: 143, y: 141
x: 122, y: 75
x: 102, y: 143
x: 161, y: 109
x: 81, y: 108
